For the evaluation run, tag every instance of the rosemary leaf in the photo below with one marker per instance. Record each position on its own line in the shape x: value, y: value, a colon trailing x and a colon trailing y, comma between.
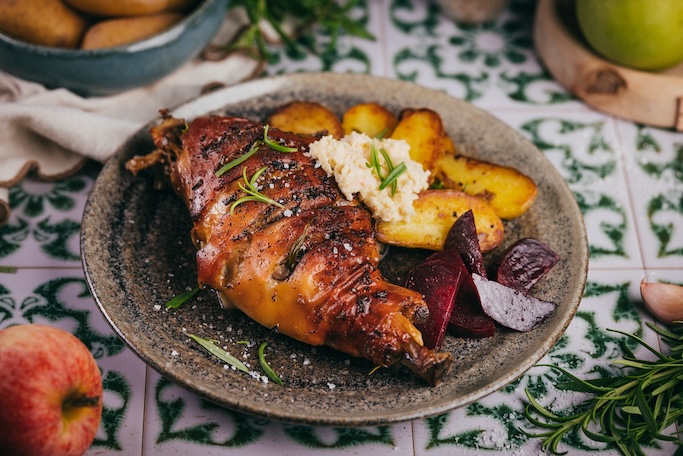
x: 374, y: 369
x: 374, y: 161
x: 296, y: 248
x: 182, y: 298
x: 228, y: 166
x: 275, y: 146
x: 265, y: 366
x: 219, y: 352
x: 392, y: 176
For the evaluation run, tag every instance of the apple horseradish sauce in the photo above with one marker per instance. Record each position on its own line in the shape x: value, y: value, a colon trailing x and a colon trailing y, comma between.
x: 362, y: 166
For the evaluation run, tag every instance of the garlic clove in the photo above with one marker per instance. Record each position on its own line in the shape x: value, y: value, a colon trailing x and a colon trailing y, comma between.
x: 663, y: 300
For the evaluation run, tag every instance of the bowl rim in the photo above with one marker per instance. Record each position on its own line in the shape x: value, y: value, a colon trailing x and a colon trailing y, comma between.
x: 154, y: 41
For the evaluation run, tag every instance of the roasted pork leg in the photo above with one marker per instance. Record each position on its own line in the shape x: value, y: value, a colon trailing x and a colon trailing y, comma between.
x: 304, y: 261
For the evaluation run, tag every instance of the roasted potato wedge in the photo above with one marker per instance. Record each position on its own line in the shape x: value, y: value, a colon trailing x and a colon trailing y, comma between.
x: 423, y: 130
x: 369, y: 118
x: 509, y: 192
x: 306, y: 118
x: 435, y: 213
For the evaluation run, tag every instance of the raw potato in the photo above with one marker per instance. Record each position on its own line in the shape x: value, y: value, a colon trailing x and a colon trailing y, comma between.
x: 435, y: 213
x: 509, y: 192
x: 423, y: 130
x: 369, y: 118
x: 306, y: 118
x: 126, y: 7
x: 43, y: 22
x: 115, y: 32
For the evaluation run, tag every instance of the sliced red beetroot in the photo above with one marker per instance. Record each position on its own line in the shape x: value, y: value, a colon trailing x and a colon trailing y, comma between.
x: 438, y: 281
x: 511, y: 308
x: 462, y: 237
x: 468, y: 318
x: 524, y: 263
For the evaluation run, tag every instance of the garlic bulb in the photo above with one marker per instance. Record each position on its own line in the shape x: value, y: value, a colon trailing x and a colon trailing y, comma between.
x: 663, y: 300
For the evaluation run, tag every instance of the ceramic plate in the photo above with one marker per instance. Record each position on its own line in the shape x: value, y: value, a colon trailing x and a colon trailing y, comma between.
x: 137, y: 254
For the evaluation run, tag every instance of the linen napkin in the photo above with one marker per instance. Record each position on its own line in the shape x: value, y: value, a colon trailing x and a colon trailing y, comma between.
x: 53, y: 132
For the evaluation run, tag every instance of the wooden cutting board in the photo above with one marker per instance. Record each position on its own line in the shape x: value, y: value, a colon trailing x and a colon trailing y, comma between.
x: 652, y: 98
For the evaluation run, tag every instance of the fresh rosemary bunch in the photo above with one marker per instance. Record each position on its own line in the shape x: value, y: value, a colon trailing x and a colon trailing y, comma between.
x: 626, y: 411
x: 333, y: 16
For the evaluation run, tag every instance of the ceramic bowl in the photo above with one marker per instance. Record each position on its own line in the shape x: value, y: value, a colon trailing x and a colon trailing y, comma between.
x: 110, y: 70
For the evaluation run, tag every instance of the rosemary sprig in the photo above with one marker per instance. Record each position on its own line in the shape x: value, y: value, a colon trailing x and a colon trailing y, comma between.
x: 182, y: 298
x: 265, y: 366
x: 332, y: 16
x: 250, y: 189
x: 273, y: 145
x: 626, y: 411
x: 219, y: 353
x: 393, y: 172
x: 239, y: 160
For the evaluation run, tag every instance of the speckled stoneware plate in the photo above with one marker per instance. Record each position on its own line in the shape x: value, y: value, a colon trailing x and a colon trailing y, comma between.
x: 137, y: 254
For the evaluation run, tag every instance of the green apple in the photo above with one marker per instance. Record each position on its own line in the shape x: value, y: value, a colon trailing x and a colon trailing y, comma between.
x: 643, y: 34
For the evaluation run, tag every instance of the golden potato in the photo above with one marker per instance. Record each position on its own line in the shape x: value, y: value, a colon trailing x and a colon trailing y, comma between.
x: 43, y: 22
x: 370, y: 118
x: 435, y: 213
x: 306, y: 118
x: 124, y: 30
x: 423, y: 130
x: 509, y: 192
x: 127, y: 7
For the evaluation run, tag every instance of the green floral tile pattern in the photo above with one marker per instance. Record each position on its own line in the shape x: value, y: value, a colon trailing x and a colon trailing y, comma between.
x: 627, y: 180
x: 45, y: 223
x: 490, y: 64
x: 583, y: 148
x: 654, y: 166
x: 185, y: 421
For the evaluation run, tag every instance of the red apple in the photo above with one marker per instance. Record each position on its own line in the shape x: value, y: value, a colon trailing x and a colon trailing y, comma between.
x: 50, y: 392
